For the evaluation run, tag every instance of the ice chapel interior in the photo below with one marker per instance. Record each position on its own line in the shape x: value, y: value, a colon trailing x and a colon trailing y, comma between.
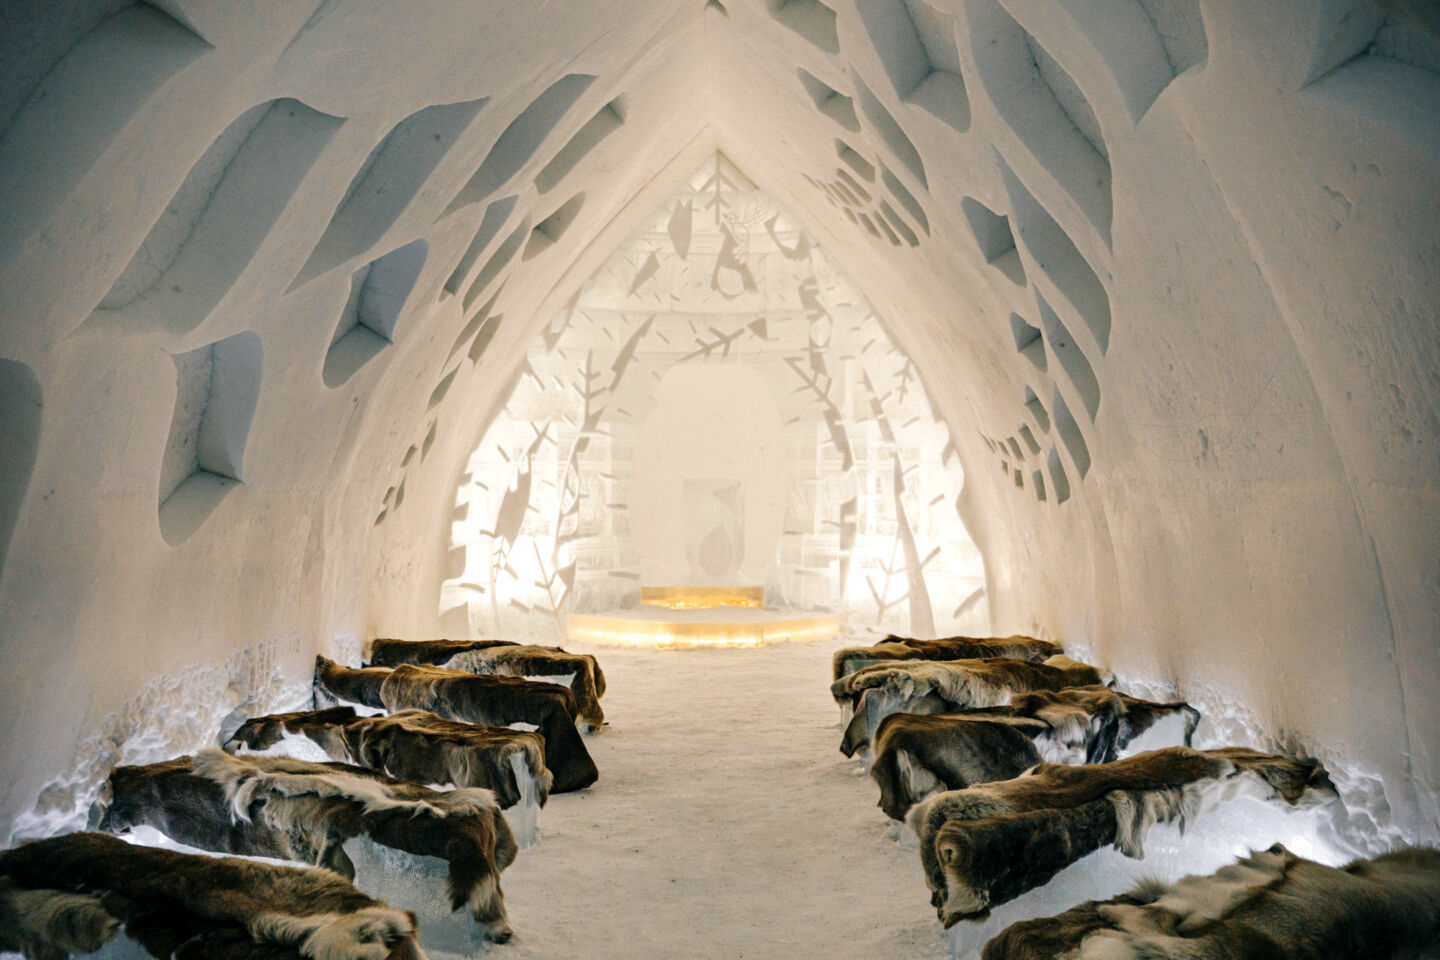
x: 720, y: 478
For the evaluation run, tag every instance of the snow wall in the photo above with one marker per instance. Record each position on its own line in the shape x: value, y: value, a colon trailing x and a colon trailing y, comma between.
x: 1192, y: 247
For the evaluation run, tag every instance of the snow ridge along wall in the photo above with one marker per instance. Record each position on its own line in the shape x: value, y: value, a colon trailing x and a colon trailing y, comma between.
x: 1167, y: 271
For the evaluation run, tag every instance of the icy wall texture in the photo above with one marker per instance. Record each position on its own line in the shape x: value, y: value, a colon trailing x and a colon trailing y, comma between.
x: 1177, y: 259
x: 717, y: 405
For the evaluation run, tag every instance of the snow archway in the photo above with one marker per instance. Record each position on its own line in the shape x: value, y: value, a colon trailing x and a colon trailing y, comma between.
x: 570, y: 502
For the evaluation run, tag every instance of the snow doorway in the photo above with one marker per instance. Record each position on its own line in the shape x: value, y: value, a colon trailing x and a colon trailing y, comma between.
x: 854, y: 517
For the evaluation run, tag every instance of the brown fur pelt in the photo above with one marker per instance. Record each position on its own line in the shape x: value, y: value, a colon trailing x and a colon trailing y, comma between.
x: 849, y: 659
x: 1271, y: 904
x: 470, y: 698
x: 916, y: 754
x: 508, y: 659
x: 1115, y: 719
x: 927, y: 686
x: 968, y: 683
x: 987, y: 844
x: 48, y: 924
x: 297, y: 810
x: 481, y: 699
x: 348, y: 684
x: 413, y: 745
x: 71, y: 893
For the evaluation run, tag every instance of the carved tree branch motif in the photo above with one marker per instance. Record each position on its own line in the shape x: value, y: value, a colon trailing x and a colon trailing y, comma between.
x: 717, y: 185
x: 881, y: 596
x: 720, y: 341
x: 922, y: 616
x: 514, y: 505
x: 569, y: 492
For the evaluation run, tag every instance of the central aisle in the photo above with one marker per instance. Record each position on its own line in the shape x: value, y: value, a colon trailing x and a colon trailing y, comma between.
x: 725, y: 823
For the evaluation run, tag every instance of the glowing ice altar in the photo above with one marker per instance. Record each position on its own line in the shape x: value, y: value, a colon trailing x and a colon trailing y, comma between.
x: 702, y: 617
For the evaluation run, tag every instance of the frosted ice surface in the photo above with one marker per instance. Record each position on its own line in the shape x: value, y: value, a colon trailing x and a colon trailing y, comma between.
x: 1361, y: 824
x: 524, y: 816
x: 417, y: 883
x: 174, y: 714
x: 348, y: 650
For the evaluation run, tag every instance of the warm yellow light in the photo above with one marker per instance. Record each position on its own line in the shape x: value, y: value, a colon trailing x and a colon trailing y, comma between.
x: 702, y: 598
x: 619, y: 630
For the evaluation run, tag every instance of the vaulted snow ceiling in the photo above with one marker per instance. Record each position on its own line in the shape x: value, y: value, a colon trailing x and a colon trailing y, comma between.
x: 1179, y: 258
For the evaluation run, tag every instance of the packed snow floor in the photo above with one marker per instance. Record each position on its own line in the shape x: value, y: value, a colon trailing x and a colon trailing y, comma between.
x: 725, y: 823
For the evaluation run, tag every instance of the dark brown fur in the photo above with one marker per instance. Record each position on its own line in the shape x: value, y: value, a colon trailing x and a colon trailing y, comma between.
x: 292, y: 815
x: 1016, y: 676
x: 1048, y: 938
x: 997, y: 743
x: 953, y: 748
x: 1120, y: 717
x: 351, y: 685
x: 205, y: 907
x: 193, y: 810
x: 503, y: 657
x: 857, y: 735
x: 480, y: 699
x: 1281, y: 908
x: 412, y: 745
x: 925, y: 686
x: 1145, y: 788
x: 1018, y: 852
x: 261, y: 733
x: 849, y: 659
x: 48, y: 924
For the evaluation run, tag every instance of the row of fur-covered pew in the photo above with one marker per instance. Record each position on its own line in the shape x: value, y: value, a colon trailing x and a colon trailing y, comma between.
x: 1010, y: 762
x: 415, y: 757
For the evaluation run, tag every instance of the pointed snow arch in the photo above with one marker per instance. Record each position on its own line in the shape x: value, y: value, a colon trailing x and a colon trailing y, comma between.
x: 863, y: 516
